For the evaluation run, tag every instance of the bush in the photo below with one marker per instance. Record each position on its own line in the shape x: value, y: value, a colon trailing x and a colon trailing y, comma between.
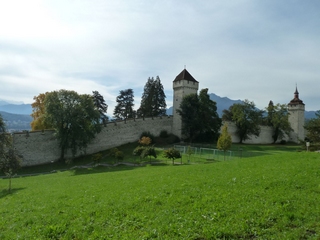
x: 149, y: 135
x: 164, y: 134
x: 96, y: 158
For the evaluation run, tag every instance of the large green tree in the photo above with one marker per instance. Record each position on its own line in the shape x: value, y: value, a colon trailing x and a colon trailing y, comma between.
x: 100, y: 105
x: 246, y: 117
x: 199, y: 116
x: 278, y: 119
x: 313, y: 128
x: 74, y: 118
x: 153, y: 101
x: 124, y: 107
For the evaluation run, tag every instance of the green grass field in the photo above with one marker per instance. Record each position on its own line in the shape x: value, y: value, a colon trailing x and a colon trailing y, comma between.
x: 275, y: 195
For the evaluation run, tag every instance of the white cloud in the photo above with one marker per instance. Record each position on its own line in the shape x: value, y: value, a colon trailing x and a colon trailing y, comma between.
x: 239, y: 49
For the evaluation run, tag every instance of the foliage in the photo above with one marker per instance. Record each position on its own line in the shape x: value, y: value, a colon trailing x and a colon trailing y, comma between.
x: 96, y: 158
x: 153, y: 101
x: 199, y: 115
x: 38, y: 113
x: 9, y: 161
x: 246, y: 117
x: 117, y: 154
x: 5, y: 140
x: 145, y: 141
x: 124, y: 107
x: 100, y: 105
x: 149, y: 135
x: 74, y: 118
x: 278, y: 119
x: 163, y: 134
x: 225, y: 140
x: 10, y: 164
x: 144, y: 150
x: 313, y: 128
x: 172, y: 154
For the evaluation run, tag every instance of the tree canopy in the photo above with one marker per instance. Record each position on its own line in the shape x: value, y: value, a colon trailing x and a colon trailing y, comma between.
x: 313, y: 128
x: 74, y: 118
x: 153, y: 101
x: 100, y: 105
x: 38, y: 112
x: 124, y: 107
x: 246, y: 117
x: 278, y: 119
x: 5, y: 140
x: 199, y: 116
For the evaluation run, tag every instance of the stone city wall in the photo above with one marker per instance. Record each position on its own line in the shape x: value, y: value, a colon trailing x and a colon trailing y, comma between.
x: 265, y: 136
x: 38, y: 147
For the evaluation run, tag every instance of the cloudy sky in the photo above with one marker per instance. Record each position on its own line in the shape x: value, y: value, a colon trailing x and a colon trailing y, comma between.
x: 241, y: 49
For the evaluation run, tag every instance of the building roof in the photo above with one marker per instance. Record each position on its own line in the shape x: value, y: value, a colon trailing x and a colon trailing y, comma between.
x: 296, y: 100
x: 185, y: 75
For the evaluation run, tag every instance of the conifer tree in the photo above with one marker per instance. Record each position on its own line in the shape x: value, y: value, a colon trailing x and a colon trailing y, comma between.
x: 124, y: 107
x: 153, y: 103
x: 100, y: 105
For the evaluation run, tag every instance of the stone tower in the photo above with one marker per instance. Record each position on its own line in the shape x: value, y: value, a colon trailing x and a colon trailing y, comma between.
x: 296, y: 118
x: 183, y: 85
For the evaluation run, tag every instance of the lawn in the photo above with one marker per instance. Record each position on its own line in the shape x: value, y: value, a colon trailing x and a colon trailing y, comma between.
x: 272, y: 196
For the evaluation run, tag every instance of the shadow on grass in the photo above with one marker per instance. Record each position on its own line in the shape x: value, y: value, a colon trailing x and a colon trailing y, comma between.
x: 5, y: 192
x: 103, y: 169
x: 119, y: 167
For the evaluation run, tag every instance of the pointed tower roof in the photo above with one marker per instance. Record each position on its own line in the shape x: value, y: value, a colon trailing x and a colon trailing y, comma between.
x: 185, y: 75
x: 296, y: 100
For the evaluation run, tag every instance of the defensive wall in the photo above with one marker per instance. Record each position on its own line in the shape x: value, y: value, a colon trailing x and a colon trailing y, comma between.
x: 265, y: 136
x: 42, y: 147
x: 39, y: 147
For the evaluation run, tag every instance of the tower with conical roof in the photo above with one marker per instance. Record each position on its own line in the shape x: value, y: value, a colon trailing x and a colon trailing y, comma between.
x: 183, y: 85
x: 296, y: 109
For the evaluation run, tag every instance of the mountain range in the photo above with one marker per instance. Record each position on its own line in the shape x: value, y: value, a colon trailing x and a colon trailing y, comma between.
x: 17, y: 116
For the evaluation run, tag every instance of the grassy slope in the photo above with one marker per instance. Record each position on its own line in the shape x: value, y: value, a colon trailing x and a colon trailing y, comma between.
x: 271, y: 196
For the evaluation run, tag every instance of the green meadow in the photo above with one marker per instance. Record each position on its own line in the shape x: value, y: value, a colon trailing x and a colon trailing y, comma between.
x: 272, y: 195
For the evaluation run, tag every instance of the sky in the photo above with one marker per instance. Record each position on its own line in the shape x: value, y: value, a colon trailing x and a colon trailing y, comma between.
x: 240, y: 49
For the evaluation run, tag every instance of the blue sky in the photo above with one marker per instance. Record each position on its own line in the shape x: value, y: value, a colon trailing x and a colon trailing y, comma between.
x: 244, y: 49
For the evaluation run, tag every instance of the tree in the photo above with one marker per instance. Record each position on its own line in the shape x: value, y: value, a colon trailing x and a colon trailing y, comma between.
x: 5, y: 142
x: 225, y: 141
x: 172, y: 154
x: 199, y: 115
x: 10, y: 164
x: 124, y: 107
x: 210, y: 121
x: 313, y: 128
x: 153, y: 101
x: 74, y: 118
x: 246, y: 117
x: 100, y: 105
x: 38, y: 113
x: 278, y: 119
x: 9, y: 161
x: 144, y: 149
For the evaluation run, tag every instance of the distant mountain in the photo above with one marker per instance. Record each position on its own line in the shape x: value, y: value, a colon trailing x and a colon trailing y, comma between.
x: 222, y: 103
x: 17, y: 108
x: 225, y: 103
x: 16, y: 122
